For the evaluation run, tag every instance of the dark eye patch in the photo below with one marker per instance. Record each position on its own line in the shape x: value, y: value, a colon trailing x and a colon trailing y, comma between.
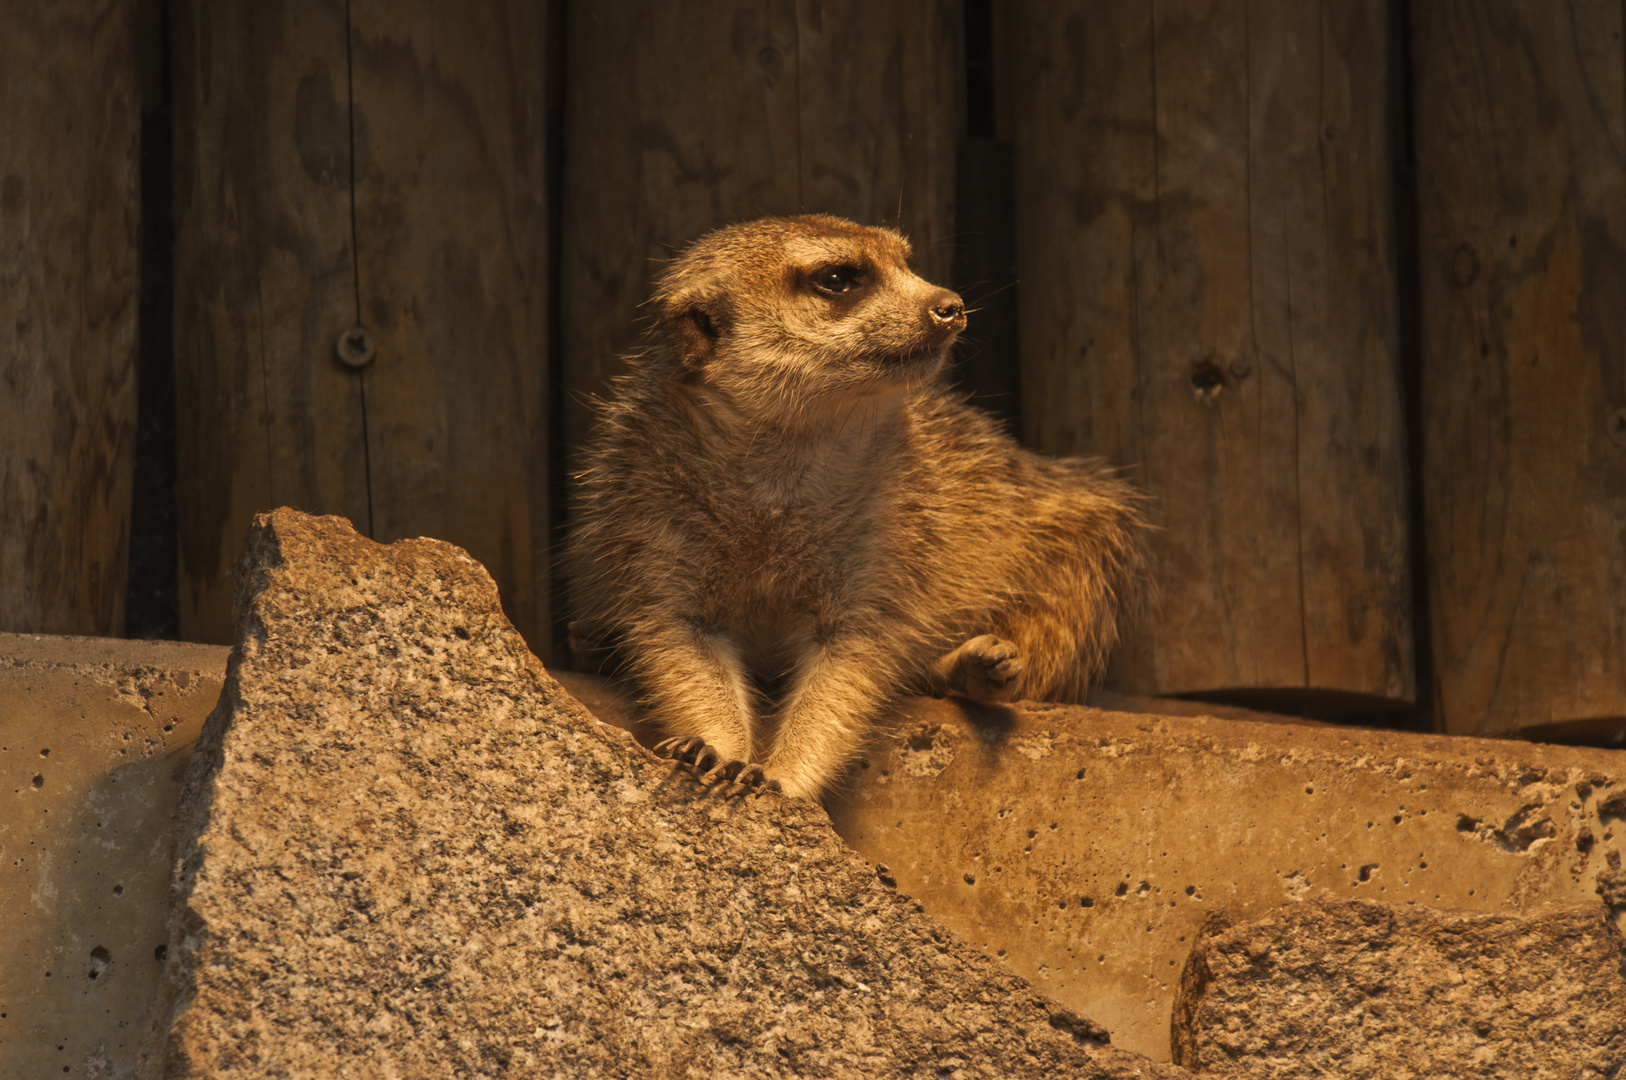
x: 836, y: 280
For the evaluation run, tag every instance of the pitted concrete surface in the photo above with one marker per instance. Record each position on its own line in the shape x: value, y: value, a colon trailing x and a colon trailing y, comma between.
x: 1165, y: 805
x: 94, y: 738
x: 1086, y: 848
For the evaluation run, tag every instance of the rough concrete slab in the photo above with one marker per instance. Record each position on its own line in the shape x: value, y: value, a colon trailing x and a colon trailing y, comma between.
x: 1086, y: 848
x: 94, y: 737
x: 405, y: 851
x: 1346, y: 989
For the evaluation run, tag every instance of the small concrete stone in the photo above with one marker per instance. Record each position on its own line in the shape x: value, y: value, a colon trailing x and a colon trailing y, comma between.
x: 1086, y: 848
x: 1330, y: 989
x: 406, y: 852
x: 94, y: 739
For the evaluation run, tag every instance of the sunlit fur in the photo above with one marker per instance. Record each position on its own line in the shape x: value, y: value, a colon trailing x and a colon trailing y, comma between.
x: 785, y: 519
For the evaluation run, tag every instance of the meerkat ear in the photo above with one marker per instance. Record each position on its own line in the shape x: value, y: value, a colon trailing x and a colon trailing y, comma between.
x: 692, y: 323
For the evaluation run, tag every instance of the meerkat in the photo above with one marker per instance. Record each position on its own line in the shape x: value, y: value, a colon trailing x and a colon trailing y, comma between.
x: 786, y: 519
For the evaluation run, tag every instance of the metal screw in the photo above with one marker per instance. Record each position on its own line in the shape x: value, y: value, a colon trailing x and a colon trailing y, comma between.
x: 356, y: 347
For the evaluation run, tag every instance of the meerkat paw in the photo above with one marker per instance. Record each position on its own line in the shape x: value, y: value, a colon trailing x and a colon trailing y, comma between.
x: 987, y: 669
x: 711, y: 766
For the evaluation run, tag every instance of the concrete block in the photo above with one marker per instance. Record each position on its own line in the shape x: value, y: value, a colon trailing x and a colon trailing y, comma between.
x: 1348, y: 989
x: 94, y: 738
x: 1086, y: 848
x: 405, y: 851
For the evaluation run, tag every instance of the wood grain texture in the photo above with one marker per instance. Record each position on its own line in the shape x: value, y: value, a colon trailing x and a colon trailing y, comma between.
x: 1521, y: 164
x: 680, y: 118
x: 1208, y: 298
x: 264, y: 284
x: 452, y: 238
x: 69, y: 217
x: 440, y: 256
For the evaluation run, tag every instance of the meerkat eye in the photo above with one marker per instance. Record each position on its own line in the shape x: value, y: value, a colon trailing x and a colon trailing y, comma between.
x: 835, y: 280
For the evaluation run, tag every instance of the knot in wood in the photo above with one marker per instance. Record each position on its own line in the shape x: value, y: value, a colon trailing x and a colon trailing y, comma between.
x: 1616, y: 425
x: 1465, y: 266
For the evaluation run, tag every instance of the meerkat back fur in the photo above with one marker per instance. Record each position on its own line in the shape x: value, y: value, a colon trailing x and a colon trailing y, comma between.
x: 785, y: 519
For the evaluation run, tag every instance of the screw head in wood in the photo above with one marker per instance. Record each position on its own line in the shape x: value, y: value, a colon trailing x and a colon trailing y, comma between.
x: 356, y: 347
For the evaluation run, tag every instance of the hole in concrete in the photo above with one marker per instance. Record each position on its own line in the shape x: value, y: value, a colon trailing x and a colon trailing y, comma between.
x: 1145, y: 887
x: 461, y: 634
x: 118, y: 890
x: 39, y: 780
x: 969, y: 880
x: 45, y: 753
x: 99, y: 959
x: 1191, y: 890
x: 1309, y: 790
x: 1032, y: 833
x: 1080, y: 775
x: 161, y: 953
x: 1584, y: 841
x: 1397, y: 819
x: 1466, y: 823
x: 1086, y: 901
x: 1366, y: 871
x: 1123, y: 889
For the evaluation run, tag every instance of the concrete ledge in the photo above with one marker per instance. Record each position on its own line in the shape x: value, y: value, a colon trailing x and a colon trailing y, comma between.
x: 94, y: 738
x: 1247, y: 816
x: 1087, y: 848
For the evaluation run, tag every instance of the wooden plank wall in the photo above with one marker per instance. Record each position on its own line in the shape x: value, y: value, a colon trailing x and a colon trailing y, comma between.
x: 69, y: 216
x: 373, y: 171
x: 1205, y: 226
x: 683, y: 117
x: 1521, y: 167
x: 1205, y: 238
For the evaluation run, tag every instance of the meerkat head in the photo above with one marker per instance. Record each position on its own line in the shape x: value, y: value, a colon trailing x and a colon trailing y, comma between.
x: 787, y: 312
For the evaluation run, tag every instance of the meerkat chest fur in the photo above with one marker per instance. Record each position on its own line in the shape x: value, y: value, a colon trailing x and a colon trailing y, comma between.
x: 785, y: 519
x: 793, y: 529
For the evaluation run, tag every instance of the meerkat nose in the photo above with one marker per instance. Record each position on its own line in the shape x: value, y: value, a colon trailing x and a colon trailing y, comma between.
x: 947, y: 312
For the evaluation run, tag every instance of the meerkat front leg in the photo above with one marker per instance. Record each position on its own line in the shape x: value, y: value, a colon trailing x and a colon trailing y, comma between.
x: 986, y: 669
x: 696, y: 689
x: 825, y: 717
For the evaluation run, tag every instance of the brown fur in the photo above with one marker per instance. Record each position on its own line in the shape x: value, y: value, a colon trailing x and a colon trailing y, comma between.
x: 786, y: 520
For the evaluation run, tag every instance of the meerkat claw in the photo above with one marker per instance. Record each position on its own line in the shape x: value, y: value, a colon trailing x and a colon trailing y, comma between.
x: 681, y: 748
x: 723, y: 772
x: 753, y: 776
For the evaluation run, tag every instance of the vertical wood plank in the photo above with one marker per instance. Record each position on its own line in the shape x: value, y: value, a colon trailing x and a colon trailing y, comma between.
x: 451, y: 228
x: 69, y: 214
x: 1208, y: 298
x: 680, y: 118
x: 264, y: 283
x: 382, y: 166
x: 1521, y: 162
